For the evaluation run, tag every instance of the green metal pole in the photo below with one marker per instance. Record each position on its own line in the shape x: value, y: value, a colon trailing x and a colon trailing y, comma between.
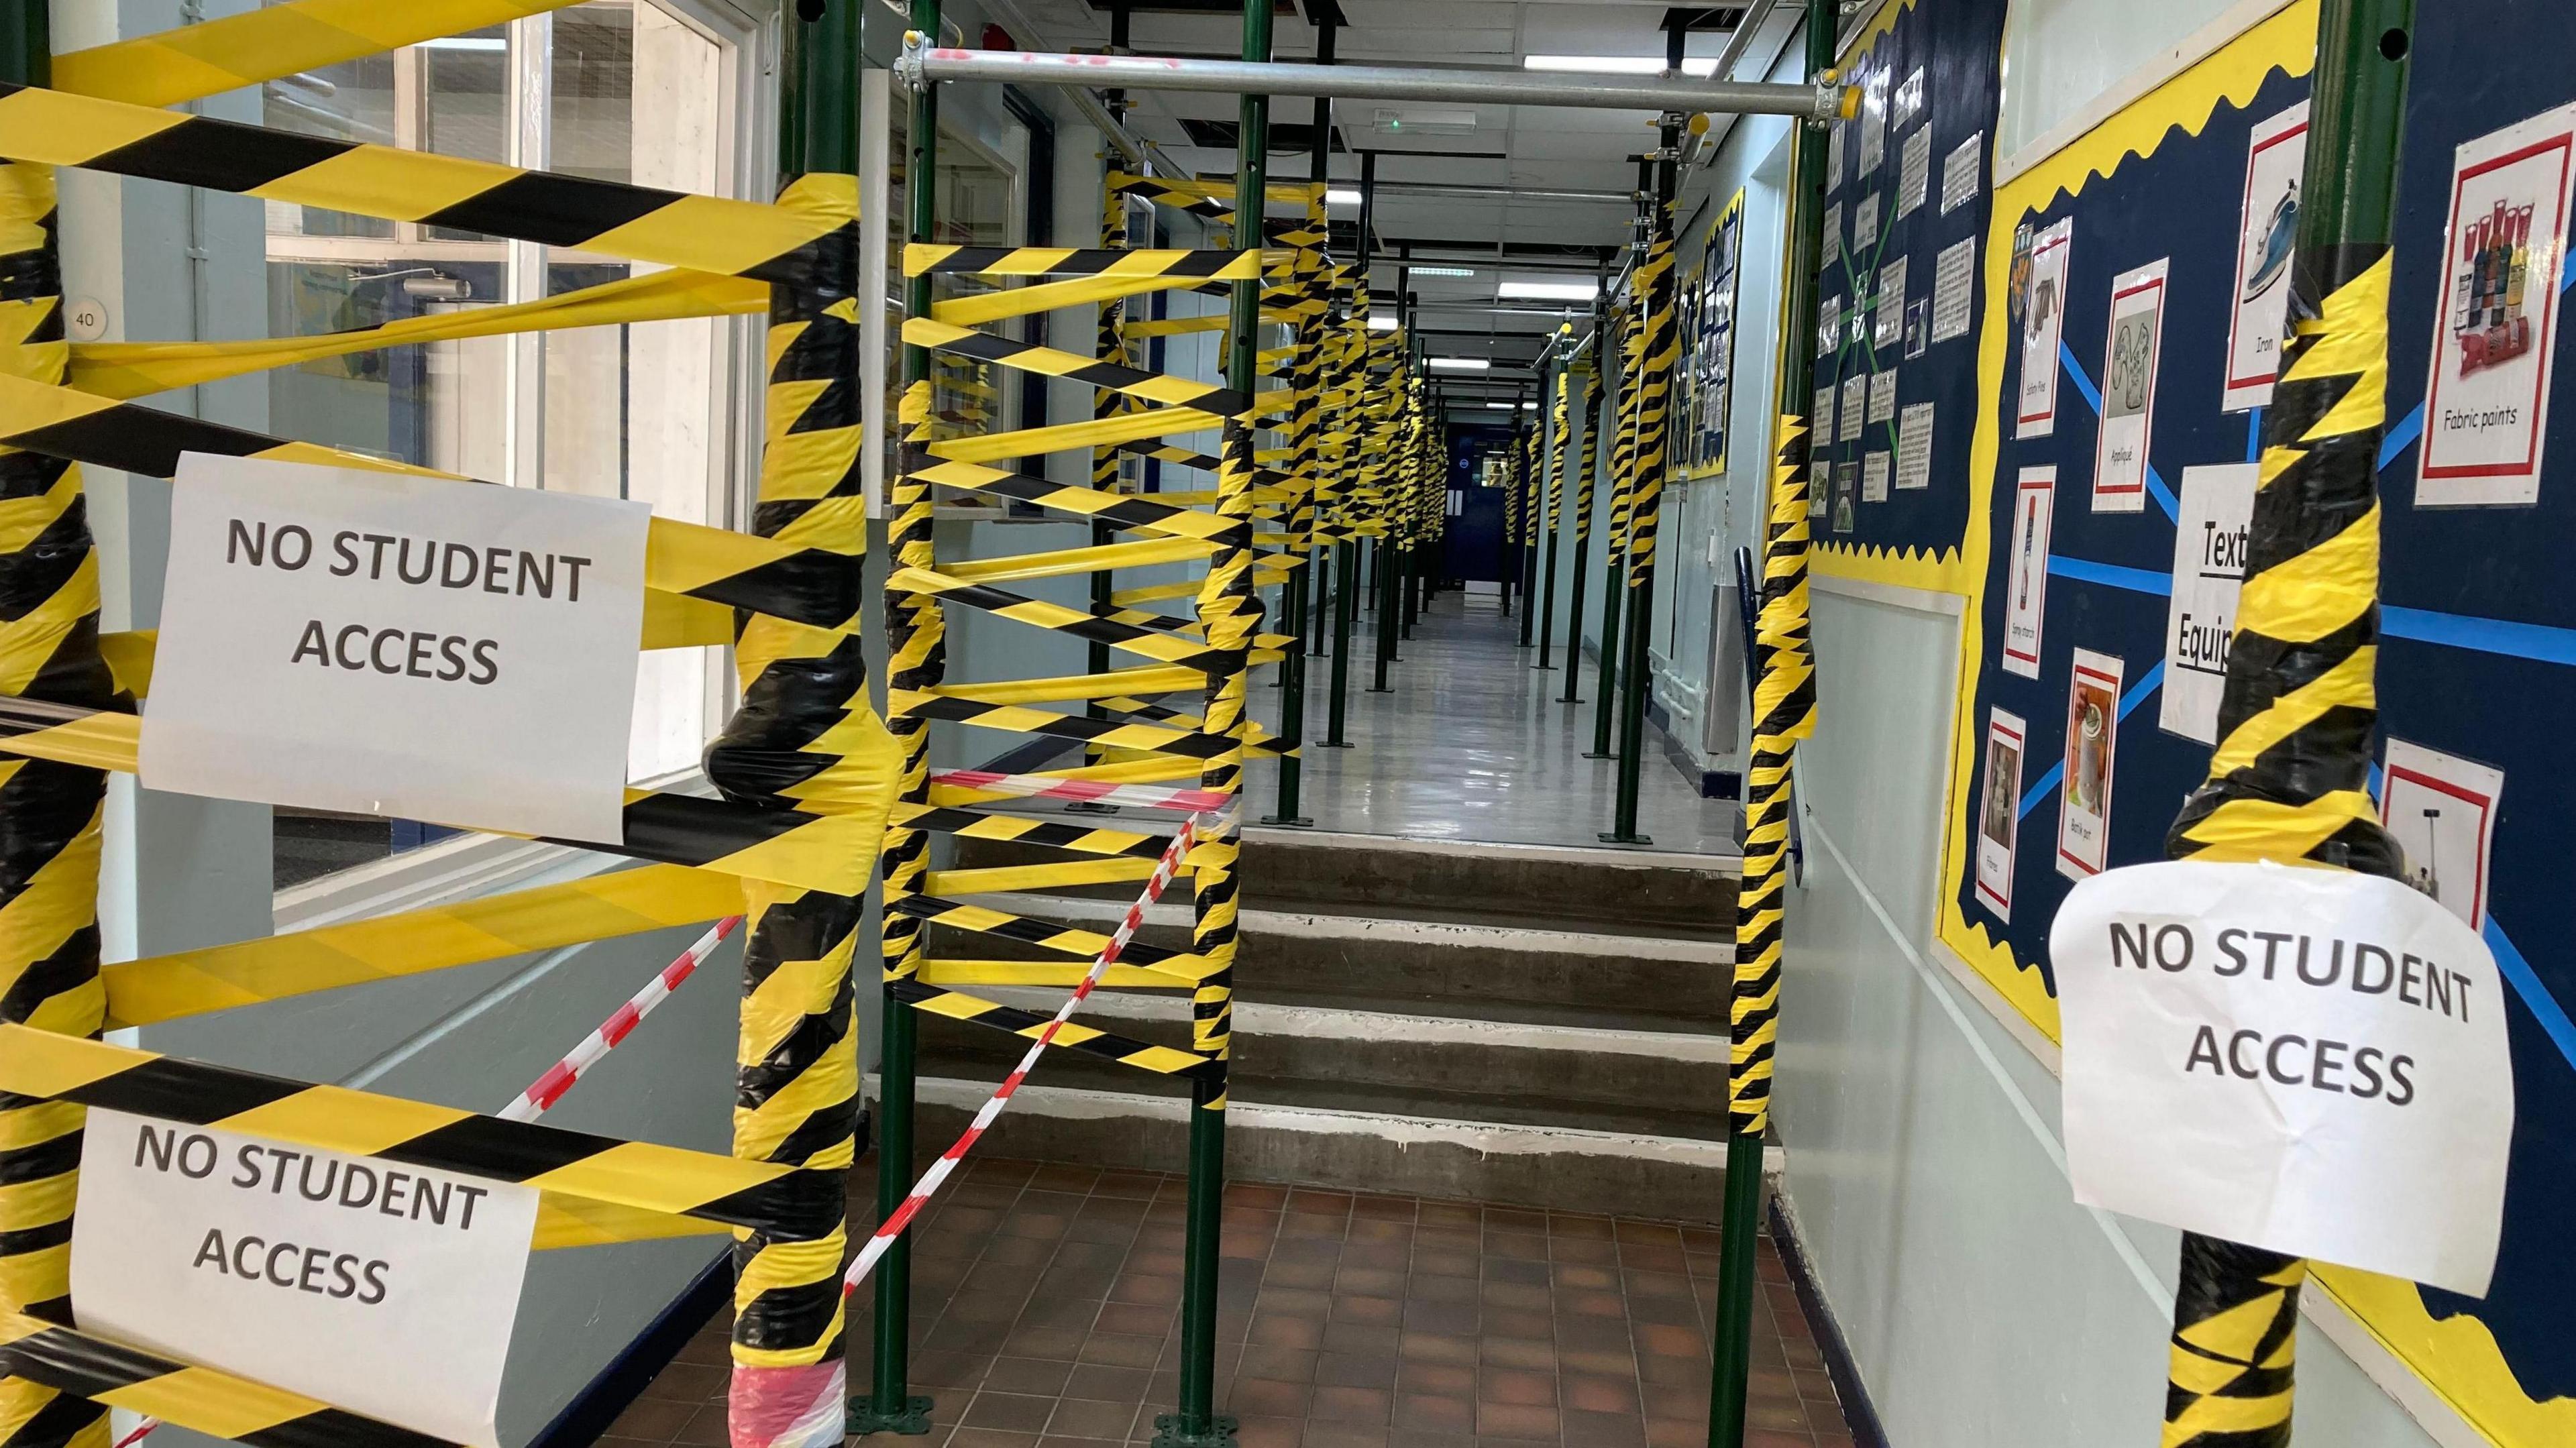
x: 1110, y: 345
x: 1310, y: 424
x: 1655, y: 394
x: 1526, y: 447
x: 890, y: 1406
x: 1623, y: 467
x: 1583, y: 507
x: 1552, y: 435
x: 2236, y: 1307
x: 1230, y: 611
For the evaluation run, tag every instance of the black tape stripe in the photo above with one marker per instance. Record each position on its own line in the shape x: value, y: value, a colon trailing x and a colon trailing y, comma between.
x: 184, y: 1091
x: 809, y: 586
x: 678, y: 827
x: 45, y: 1159
x: 30, y: 577
x: 218, y: 155
x: 552, y: 209
x: 139, y: 440
x: 37, y: 1239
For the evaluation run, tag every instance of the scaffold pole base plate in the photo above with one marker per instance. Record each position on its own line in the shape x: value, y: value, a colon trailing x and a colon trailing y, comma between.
x: 1168, y: 1432
x: 911, y: 1420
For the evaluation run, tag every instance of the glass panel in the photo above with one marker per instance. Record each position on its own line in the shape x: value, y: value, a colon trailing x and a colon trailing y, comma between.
x: 351, y: 101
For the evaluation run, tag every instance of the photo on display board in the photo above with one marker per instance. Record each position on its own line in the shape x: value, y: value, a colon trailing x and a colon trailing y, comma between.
x: 2092, y: 740
x: 2043, y: 322
x: 2442, y: 811
x: 1846, y: 490
x: 1999, y: 813
x: 2275, y: 164
x: 2487, y: 403
x: 2026, y: 579
x: 2129, y: 390
x: 1717, y: 337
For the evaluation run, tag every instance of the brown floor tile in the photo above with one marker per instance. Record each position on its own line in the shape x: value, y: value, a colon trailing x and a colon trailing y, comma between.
x: 1521, y: 1421
x: 1352, y: 1405
x: 1091, y: 1418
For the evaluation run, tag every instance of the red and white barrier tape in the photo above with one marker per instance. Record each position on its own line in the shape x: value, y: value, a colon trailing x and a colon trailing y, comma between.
x: 1041, y: 786
x: 549, y: 1088
x: 920, y: 1195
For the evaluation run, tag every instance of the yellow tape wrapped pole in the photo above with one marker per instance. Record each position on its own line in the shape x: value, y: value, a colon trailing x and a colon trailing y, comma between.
x: 1583, y: 501
x: 807, y: 738
x: 2290, y: 778
x: 49, y: 813
x: 1623, y: 469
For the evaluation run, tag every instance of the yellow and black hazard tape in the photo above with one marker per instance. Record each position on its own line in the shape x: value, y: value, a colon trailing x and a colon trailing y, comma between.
x: 269, y: 43
x: 1090, y: 1040
x: 796, y: 847
x: 636, y: 223
x: 1784, y: 712
x: 1026, y: 830
x: 89, y: 1374
x: 1182, y: 197
x: 43, y: 1066
x: 2235, y: 1345
x: 1121, y: 510
x: 1109, y: 733
x: 921, y: 258
x: 1042, y: 934
x: 1155, y: 639
x: 1071, y: 366
x: 620, y: 902
x: 778, y: 577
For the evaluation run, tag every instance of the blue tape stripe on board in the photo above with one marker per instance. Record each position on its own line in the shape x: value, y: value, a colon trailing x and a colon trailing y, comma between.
x: 2401, y: 437
x: 2485, y: 635
x: 2085, y: 570
x: 2138, y: 694
x: 2092, y: 396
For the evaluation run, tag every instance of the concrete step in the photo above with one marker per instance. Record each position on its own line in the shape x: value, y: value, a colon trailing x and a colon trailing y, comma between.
x: 1480, y: 970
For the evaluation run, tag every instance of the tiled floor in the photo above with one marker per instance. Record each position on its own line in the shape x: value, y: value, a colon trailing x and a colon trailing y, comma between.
x: 1471, y: 744
x: 1047, y: 1307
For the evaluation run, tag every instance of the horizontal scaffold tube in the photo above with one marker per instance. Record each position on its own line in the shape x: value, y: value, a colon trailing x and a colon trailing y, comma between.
x: 922, y: 64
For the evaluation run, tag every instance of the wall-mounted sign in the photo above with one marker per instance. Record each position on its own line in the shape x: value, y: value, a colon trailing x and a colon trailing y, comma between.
x: 1999, y: 813
x: 2026, y: 574
x: 2043, y: 322
x: 2214, y: 519
x: 2442, y: 810
x: 2129, y: 390
x: 2092, y: 750
x: 2276, y: 161
x: 2486, y: 404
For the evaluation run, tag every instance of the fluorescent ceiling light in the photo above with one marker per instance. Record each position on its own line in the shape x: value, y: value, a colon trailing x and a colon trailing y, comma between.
x: 1340, y: 196
x: 1381, y: 322
x: 1548, y: 291
x: 1461, y: 364
x: 1698, y: 65
x: 1500, y: 406
x: 467, y: 42
x: 1444, y: 271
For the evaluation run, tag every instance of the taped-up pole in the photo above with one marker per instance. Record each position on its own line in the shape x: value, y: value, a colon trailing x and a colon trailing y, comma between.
x: 1661, y: 351
x: 1556, y: 471
x: 1530, y: 454
x: 1623, y: 486
x: 1350, y: 417
x: 916, y: 662
x: 2290, y: 778
x: 1305, y: 431
x: 805, y: 737
x: 1229, y: 610
x: 49, y: 813
x: 1784, y: 712
x: 1109, y: 345
x: 1512, y: 521
x: 1585, y: 503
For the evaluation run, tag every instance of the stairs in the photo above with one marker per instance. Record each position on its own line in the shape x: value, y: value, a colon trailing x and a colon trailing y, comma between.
x: 1525, y: 1025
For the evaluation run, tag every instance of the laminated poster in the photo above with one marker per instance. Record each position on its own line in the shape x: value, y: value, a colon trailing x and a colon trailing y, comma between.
x: 2043, y: 322
x: 1910, y: 98
x: 1829, y: 326
x: 2092, y: 743
x: 1834, y: 154
x: 2442, y: 809
x: 1855, y: 407
x: 1882, y: 397
x: 1873, y: 477
x: 1954, y: 290
x: 2214, y: 518
x: 1846, y: 489
x: 1914, y: 173
x: 1823, y: 420
x: 1889, y: 319
x: 2026, y: 579
x: 1873, y: 122
x: 1999, y: 813
x: 1833, y: 233
x: 1963, y: 173
x: 1914, y: 447
x: 1864, y: 237
x: 2487, y: 401
x: 2129, y: 390
x: 2276, y: 161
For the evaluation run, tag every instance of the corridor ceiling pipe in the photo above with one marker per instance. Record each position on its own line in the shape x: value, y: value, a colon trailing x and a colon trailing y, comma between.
x: 922, y: 64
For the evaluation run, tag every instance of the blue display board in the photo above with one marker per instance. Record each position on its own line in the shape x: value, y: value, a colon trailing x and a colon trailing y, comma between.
x: 2088, y: 704
x: 1908, y: 181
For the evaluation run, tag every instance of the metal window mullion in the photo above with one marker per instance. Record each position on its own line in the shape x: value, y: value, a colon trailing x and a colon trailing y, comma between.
x: 529, y: 126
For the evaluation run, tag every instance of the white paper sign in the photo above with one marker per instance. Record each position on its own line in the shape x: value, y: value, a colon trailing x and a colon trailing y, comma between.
x: 1914, y: 447
x: 1963, y: 173
x: 1873, y: 122
x: 1910, y: 98
x: 2092, y: 752
x: 1833, y: 233
x: 2215, y: 517
x: 1889, y: 328
x: 1829, y: 326
x: 1855, y: 407
x: 2305, y: 1060
x: 2276, y: 162
x: 2129, y: 390
x: 351, y: 640
x: 2442, y: 809
x: 1999, y: 813
x: 386, y: 1290
x: 1864, y: 237
x: 1914, y: 173
x: 1873, y: 476
x: 2494, y: 340
x: 2043, y: 322
x: 1882, y: 397
x: 2026, y: 582
x: 1954, y: 290
x: 1824, y: 424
